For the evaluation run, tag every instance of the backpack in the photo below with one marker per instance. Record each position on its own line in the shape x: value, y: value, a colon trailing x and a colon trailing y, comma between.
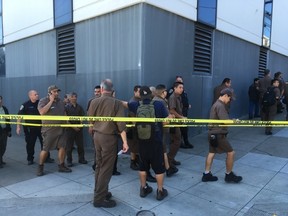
x: 269, y: 97
x: 145, y: 130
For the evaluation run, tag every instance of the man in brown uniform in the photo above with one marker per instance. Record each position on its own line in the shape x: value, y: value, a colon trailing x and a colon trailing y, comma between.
x: 105, y: 141
x: 53, y: 137
x: 175, y: 108
x: 217, y: 140
x: 269, y: 113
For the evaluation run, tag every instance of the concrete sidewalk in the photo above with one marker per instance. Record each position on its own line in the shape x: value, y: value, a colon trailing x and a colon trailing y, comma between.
x: 262, y: 161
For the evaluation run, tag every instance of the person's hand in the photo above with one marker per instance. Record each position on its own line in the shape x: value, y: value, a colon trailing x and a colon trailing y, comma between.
x: 18, y: 130
x: 125, y: 147
x: 51, y: 97
x: 76, y: 129
x: 91, y: 131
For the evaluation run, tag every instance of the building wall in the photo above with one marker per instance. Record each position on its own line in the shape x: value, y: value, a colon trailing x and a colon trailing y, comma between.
x: 141, y: 44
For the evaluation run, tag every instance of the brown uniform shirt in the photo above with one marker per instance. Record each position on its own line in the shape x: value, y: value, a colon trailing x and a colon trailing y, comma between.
x: 175, y: 102
x: 107, y: 106
x: 57, y: 108
x: 219, y: 112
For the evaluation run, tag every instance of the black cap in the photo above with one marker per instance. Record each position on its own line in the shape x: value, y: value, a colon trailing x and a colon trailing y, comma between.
x: 145, y: 92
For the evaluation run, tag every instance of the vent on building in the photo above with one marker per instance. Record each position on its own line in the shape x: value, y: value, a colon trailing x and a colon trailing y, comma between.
x: 66, y: 50
x: 262, y: 61
x: 203, y: 49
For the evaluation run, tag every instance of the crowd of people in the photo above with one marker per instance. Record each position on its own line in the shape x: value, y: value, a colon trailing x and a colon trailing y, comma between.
x: 157, y: 153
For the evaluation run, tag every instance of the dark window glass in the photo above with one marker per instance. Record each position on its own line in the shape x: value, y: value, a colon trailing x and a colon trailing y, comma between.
x: 2, y: 61
x: 206, y: 12
x: 267, y: 23
x: 62, y: 12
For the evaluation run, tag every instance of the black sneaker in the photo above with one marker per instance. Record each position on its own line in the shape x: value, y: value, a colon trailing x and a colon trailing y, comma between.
x: 171, y: 171
x: 94, y: 166
x: 209, y: 177
x: 134, y: 165
x: 176, y: 163
x: 231, y: 177
x: 161, y: 194
x: 105, y: 204
x: 83, y: 161
x: 69, y: 164
x: 150, y: 178
x: 30, y: 162
x: 144, y: 191
x: 116, y: 173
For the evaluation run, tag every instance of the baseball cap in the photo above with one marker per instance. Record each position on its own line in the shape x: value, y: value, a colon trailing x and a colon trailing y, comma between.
x: 145, y: 92
x: 227, y: 91
x: 53, y: 87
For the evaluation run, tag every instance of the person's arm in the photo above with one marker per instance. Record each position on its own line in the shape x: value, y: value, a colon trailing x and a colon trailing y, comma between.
x: 175, y: 113
x: 18, y: 128
x: 124, y: 140
x: 43, y: 110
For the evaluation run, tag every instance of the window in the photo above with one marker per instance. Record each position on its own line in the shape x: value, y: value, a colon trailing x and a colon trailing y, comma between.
x: 267, y: 23
x: 2, y: 61
x: 203, y: 49
x: 206, y: 12
x: 63, y: 11
x: 66, y: 50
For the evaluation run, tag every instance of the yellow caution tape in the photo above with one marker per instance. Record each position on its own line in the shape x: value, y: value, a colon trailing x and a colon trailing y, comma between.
x: 172, y: 122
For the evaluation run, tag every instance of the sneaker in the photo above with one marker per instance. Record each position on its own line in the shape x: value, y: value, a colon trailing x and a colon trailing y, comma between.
x: 231, y: 177
x: 94, y: 166
x: 30, y: 162
x: 49, y: 160
x: 150, y: 178
x: 171, y: 171
x: 69, y: 164
x: 1, y: 166
x: 176, y: 163
x: 105, y: 204
x: 144, y: 191
x: 83, y: 161
x: 134, y: 165
x: 116, y: 173
x: 40, y: 171
x: 63, y: 168
x: 161, y: 194
x: 209, y: 177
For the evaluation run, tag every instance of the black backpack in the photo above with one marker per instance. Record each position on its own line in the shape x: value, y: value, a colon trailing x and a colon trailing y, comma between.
x: 269, y: 97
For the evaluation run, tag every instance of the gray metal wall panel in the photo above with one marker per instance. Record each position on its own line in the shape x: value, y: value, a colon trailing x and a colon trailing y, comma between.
x: 237, y: 60
x: 110, y: 42
x: 278, y: 62
x: 33, y: 56
x: 167, y: 46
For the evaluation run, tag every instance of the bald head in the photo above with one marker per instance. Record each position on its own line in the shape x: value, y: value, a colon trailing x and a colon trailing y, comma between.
x: 33, y: 95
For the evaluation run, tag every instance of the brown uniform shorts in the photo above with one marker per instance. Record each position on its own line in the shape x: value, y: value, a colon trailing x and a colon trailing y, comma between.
x: 223, y: 145
x: 53, y: 138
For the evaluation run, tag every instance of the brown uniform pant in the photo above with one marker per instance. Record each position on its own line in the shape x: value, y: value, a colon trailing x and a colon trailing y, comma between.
x: 174, y: 145
x: 77, y: 137
x: 106, y: 151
